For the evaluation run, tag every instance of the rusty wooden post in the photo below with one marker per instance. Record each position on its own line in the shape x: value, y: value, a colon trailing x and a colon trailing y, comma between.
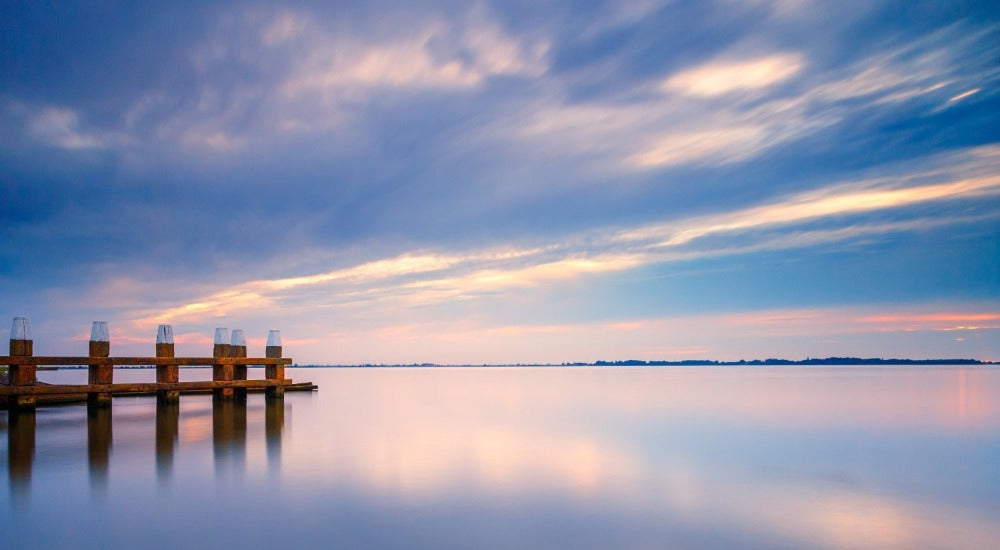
x: 100, y: 346
x: 166, y: 374
x: 22, y: 345
x: 239, y: 349
x: 222, y: 348
x: 274, y: 372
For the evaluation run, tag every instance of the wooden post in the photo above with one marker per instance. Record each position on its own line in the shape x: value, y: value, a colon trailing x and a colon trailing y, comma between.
x: 21, y: 344
x: 274, y: 372
x: 239, y: 349
x: 166, y: 374
x: 222, y: 348
x: 100, y: 346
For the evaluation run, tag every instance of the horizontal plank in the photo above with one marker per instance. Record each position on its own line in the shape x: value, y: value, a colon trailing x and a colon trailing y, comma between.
x: 297, y: 386
x: 57, y: 389
x: 180, y: 361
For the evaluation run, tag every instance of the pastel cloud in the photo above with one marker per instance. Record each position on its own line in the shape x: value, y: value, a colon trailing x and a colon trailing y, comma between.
x: 812, y: 205
x: 721, y: 77
x: 426, y: 278
x: 390, y: 166
x: 60, y: 127
x: 411, y: 61
x: 734, y: 108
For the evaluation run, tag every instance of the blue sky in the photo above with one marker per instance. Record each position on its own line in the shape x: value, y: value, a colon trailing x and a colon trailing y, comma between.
x: 505, y: 182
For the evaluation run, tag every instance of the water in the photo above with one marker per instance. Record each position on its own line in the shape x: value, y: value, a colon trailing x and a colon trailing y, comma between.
x: 788, y: 457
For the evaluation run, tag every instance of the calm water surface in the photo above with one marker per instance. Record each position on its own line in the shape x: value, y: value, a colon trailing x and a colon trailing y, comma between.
x: 788, y: 457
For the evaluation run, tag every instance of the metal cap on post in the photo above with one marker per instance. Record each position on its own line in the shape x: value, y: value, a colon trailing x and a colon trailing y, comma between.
x: 165, y: 334
x: 99, y: 332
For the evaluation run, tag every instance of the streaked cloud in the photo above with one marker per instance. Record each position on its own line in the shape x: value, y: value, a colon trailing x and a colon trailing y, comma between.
x: 431, y: 57
x: 964, y: 95
x: 60, y: 127
x: 421, y: 279
x: 394, y: 167
x: 724, y: 76
x: 812, y: 205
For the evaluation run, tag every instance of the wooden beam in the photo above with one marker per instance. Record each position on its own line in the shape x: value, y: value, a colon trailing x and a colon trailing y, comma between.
x: 55, y: 389
x: 182, y: 361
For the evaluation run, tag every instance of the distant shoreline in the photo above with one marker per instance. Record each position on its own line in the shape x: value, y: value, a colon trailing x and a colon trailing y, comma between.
x: 828, y: 361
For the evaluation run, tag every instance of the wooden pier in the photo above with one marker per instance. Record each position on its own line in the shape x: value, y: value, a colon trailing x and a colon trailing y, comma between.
x: 229, y: 364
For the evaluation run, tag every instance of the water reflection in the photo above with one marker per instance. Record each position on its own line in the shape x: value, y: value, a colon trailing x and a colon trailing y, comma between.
x: 229, y: 436
x: 167, y: 420
x: 20, y: 452
x: 274, y: 424
x: 99, y: 436
x: 179, y: 427
x: 698, y: 458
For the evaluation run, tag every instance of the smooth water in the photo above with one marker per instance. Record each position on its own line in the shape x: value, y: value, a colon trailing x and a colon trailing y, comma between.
x: 653, y: 457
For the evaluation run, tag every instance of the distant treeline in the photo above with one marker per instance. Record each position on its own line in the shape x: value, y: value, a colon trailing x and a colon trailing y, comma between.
x: 810, y: 361
x: 695, y: 363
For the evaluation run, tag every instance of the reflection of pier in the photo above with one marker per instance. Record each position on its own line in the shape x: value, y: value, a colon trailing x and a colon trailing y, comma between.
x: 20, y: 451
x: 99, y: 436
x: 229, y: 364
x: 274, y: 423
x: 167, y: 420
x: 229, y: 435
x: 229, y: 439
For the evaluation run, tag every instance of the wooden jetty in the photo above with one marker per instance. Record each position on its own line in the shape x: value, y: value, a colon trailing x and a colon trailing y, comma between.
x: 229, y: 364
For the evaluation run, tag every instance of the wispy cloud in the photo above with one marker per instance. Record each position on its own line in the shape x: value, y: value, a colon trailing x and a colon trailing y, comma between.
x: 721, y: 77
x: 419, y: 279
x: 735, y: 107
x: 60, y: 127
x: 816, y: 204
x: 437, y: 55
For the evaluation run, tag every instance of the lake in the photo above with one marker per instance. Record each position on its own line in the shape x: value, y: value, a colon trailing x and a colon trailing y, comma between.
x: 505, y: 457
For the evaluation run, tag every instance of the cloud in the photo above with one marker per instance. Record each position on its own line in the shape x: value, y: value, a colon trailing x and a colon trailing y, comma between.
x: 316, y: 159
x: 327, y: 68
x: 431, y: 57
x: 60, y: 127
x: 734, y: 108
x: 964, y: 95
x: 815, y: 204
x: 722, y: 77
x: 728, y: 144
x: 421, y: 279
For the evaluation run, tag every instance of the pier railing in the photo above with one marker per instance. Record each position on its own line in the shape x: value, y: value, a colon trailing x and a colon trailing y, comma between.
x: 229, y: 364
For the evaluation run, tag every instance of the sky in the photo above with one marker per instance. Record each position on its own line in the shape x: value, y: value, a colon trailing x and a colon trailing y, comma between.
x: 504, y: 182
